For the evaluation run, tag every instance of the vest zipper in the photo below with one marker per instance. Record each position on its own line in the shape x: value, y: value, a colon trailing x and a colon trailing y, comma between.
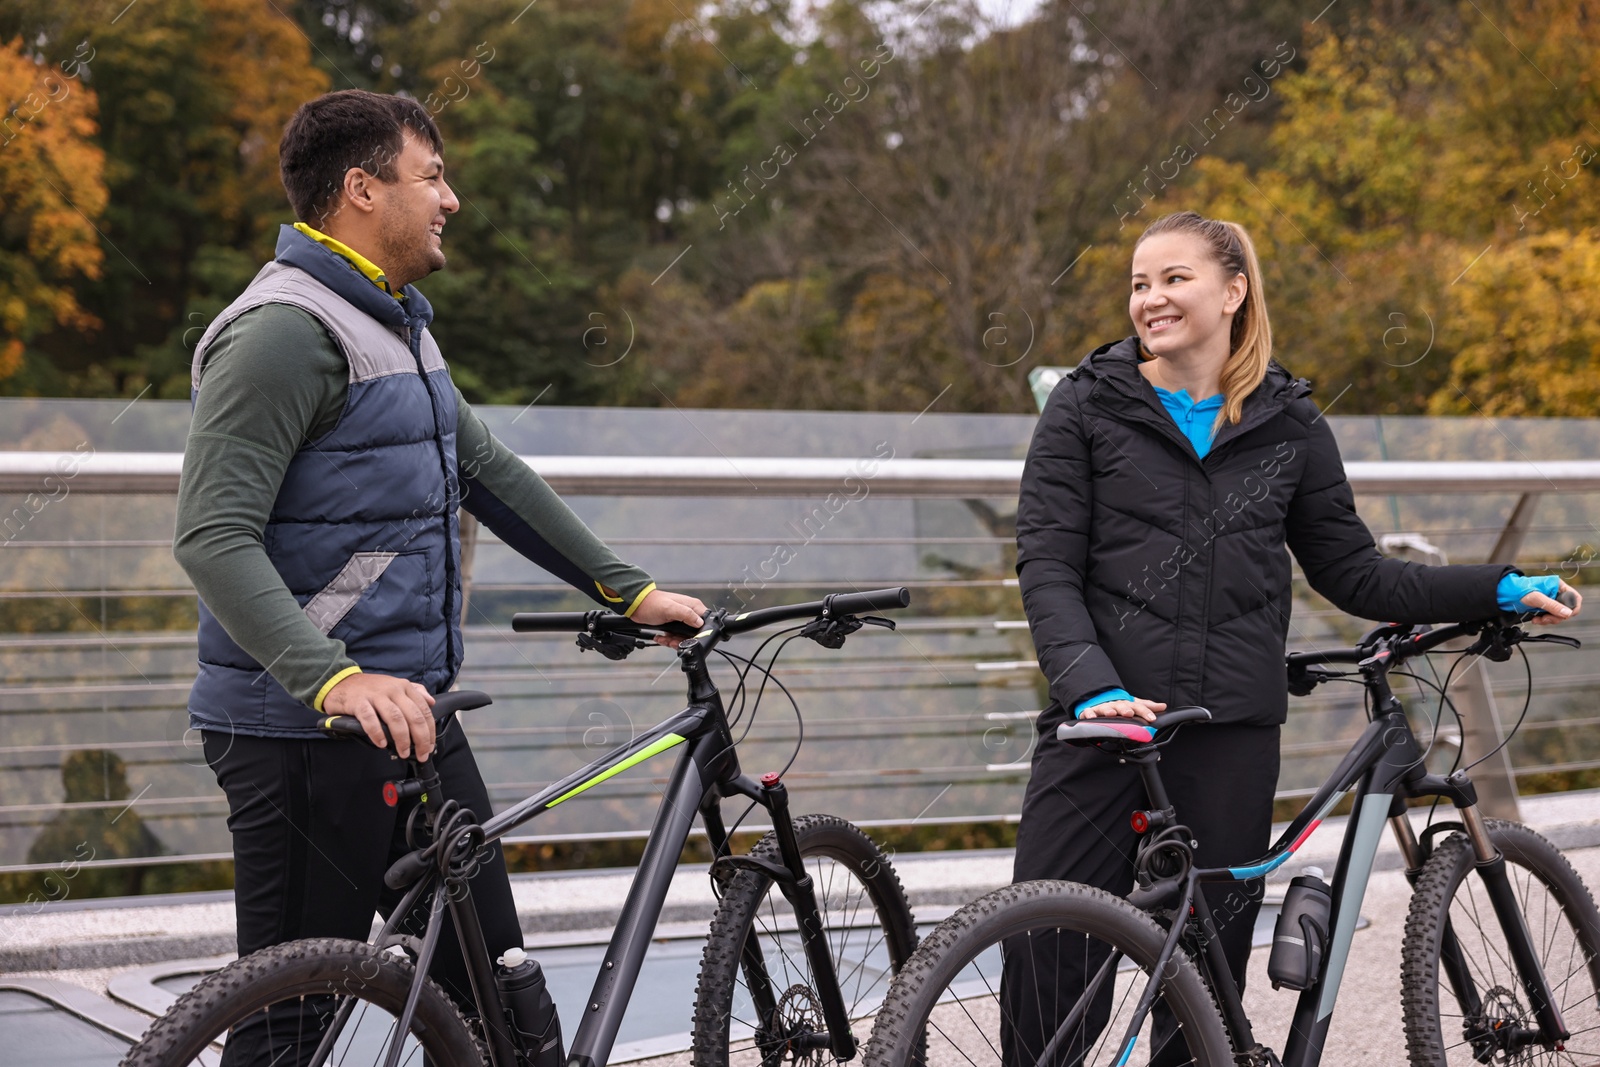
x: 452, y: 577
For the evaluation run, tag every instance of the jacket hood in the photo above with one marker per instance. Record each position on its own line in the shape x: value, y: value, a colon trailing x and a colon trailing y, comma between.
x: 1119, y: 362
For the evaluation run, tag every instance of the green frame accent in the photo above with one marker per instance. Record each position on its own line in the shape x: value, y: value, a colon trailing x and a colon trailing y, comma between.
x: 654, y: 749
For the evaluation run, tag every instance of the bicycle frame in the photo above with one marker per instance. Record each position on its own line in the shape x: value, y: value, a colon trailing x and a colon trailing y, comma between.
x: 707, y: 770
x: 1384, y: 767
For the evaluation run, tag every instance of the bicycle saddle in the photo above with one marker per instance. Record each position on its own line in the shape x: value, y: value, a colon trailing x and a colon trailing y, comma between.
x: 1120, y: 733
x: 445, y: 707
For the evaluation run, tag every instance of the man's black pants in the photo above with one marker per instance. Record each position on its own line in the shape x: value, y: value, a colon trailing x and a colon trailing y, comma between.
x: 1075, y: 826
x: 312, y: 839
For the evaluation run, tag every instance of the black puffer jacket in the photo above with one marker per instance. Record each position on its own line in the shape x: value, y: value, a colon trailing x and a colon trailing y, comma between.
x: 1146, y: 567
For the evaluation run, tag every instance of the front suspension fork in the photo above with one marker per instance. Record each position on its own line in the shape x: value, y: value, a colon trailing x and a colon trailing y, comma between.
x: 757, y: 979
x: 1491, y: 867
x: 800, y: 891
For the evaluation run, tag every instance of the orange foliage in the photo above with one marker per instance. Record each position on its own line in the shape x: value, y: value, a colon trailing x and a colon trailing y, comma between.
x: 51, y: 186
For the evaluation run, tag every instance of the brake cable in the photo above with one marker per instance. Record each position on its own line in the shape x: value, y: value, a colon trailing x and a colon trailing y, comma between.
x: 1527, y: 702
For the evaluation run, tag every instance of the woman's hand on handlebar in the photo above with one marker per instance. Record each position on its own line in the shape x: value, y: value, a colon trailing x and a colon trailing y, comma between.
x: 1553, y: 611
x: 1137, y: 708
x: 377, y: 699
x: 660, y: 606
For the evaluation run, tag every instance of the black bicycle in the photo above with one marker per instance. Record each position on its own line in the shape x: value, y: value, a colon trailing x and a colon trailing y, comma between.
x: 787, y: 982
x: 1501, y: 957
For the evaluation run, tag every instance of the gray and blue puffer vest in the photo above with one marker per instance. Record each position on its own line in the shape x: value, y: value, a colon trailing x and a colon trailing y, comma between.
x: 364, y: 530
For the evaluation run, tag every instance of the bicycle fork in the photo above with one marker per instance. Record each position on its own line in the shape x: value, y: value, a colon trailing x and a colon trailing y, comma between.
x: 1491, y: 867
x: 799, y: 890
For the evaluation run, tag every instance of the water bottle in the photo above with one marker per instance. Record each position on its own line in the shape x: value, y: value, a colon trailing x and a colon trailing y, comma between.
x: 1300, y: 938
x: 535, y: 1028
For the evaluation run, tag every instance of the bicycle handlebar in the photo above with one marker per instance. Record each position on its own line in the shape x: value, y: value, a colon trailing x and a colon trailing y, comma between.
x: 600, y: 621
x: 1393, y: 644
x: 1410, y: 645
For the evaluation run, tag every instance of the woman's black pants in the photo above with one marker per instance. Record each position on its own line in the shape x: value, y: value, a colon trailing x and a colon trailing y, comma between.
x: 1075, y: 826
x: 312, y: 838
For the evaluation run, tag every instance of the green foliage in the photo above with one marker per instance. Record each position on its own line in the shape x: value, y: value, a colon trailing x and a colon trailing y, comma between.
x: 876, y: 205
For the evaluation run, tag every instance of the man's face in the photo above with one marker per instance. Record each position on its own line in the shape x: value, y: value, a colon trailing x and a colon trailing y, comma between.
x: 411, y: 214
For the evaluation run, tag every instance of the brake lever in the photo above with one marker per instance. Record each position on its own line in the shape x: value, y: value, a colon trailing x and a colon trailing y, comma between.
x: 612, y: 646
x: 1555, y: 639
x: 830, y: 631
x: 1303, y: 679
x: 878, y: 620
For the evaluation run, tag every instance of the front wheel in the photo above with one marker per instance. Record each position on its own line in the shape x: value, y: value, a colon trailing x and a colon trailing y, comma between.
x: 1045, y: 974
x: 757, y: 1003
x: 1464, y: 1001
x: 271, y: 1009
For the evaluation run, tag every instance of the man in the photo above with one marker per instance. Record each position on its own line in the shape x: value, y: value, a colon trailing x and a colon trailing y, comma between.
x: 317, y: 518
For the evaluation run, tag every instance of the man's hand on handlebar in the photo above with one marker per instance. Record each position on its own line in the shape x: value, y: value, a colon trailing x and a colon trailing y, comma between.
x: 1553, y: 611
x: 377, y: 699
x: 660, y: 606
x: 1137, y: 708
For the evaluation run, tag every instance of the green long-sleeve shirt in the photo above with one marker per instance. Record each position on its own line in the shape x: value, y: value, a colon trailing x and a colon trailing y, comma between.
x: 272, y: 382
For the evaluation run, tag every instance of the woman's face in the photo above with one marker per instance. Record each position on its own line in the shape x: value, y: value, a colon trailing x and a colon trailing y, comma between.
x: 1182, y: 301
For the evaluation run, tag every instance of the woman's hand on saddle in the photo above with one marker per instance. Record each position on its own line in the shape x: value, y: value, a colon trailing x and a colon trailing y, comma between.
x: 1137, y: 708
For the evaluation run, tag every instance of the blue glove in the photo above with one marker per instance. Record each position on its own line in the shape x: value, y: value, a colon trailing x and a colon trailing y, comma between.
x: 1513, y: 587
x: 1105, y: 697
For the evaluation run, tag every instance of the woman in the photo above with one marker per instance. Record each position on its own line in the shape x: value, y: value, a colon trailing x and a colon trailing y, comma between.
x: 1167, y: 475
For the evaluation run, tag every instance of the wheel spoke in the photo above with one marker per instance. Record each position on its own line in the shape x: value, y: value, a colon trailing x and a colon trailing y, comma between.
x: 1553, y: 906
x: 854, y: 930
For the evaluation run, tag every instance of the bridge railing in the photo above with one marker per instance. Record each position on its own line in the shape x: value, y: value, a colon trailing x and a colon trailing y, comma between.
x: 930, y: 724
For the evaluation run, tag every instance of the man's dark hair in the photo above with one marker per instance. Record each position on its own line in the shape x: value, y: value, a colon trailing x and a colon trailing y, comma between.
x: 336, y: 131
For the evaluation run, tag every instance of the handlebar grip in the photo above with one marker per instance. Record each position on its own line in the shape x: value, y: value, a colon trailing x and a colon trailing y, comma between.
x: 676, y: 629
x: 344, y: 726
x: 550, y: 622
x: 872, y: 600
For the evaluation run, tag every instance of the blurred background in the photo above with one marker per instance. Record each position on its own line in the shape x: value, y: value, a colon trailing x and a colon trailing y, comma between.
x: 875, y: 219
x: 859, y: 202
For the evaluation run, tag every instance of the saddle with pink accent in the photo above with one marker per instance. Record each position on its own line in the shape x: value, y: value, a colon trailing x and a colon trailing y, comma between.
x: 1120, y: 735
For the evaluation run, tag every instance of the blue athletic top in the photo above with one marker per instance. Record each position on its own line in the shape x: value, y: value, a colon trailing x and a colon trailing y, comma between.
x: 1198, y: 421
x: 1196, y: 418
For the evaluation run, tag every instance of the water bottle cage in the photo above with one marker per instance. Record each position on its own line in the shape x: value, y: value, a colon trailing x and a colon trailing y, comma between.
x: 1315, y: 938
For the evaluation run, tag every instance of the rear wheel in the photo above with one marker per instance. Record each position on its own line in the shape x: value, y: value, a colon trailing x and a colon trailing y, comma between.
x: 272, y: 1008
x: 757, y: 1002
x: 993, y: 985
x: 1477, y: 1011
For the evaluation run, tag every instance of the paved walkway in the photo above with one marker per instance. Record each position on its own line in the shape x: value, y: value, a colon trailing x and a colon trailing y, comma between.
x: 89, y: 944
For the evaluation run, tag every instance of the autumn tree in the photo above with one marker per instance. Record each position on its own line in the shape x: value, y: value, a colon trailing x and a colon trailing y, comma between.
x: 193, y: 96
x: 52, y: 186
x: 1425, y: 211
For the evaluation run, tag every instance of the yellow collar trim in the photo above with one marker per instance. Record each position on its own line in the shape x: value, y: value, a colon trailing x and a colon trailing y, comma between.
x: 373, y: 272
